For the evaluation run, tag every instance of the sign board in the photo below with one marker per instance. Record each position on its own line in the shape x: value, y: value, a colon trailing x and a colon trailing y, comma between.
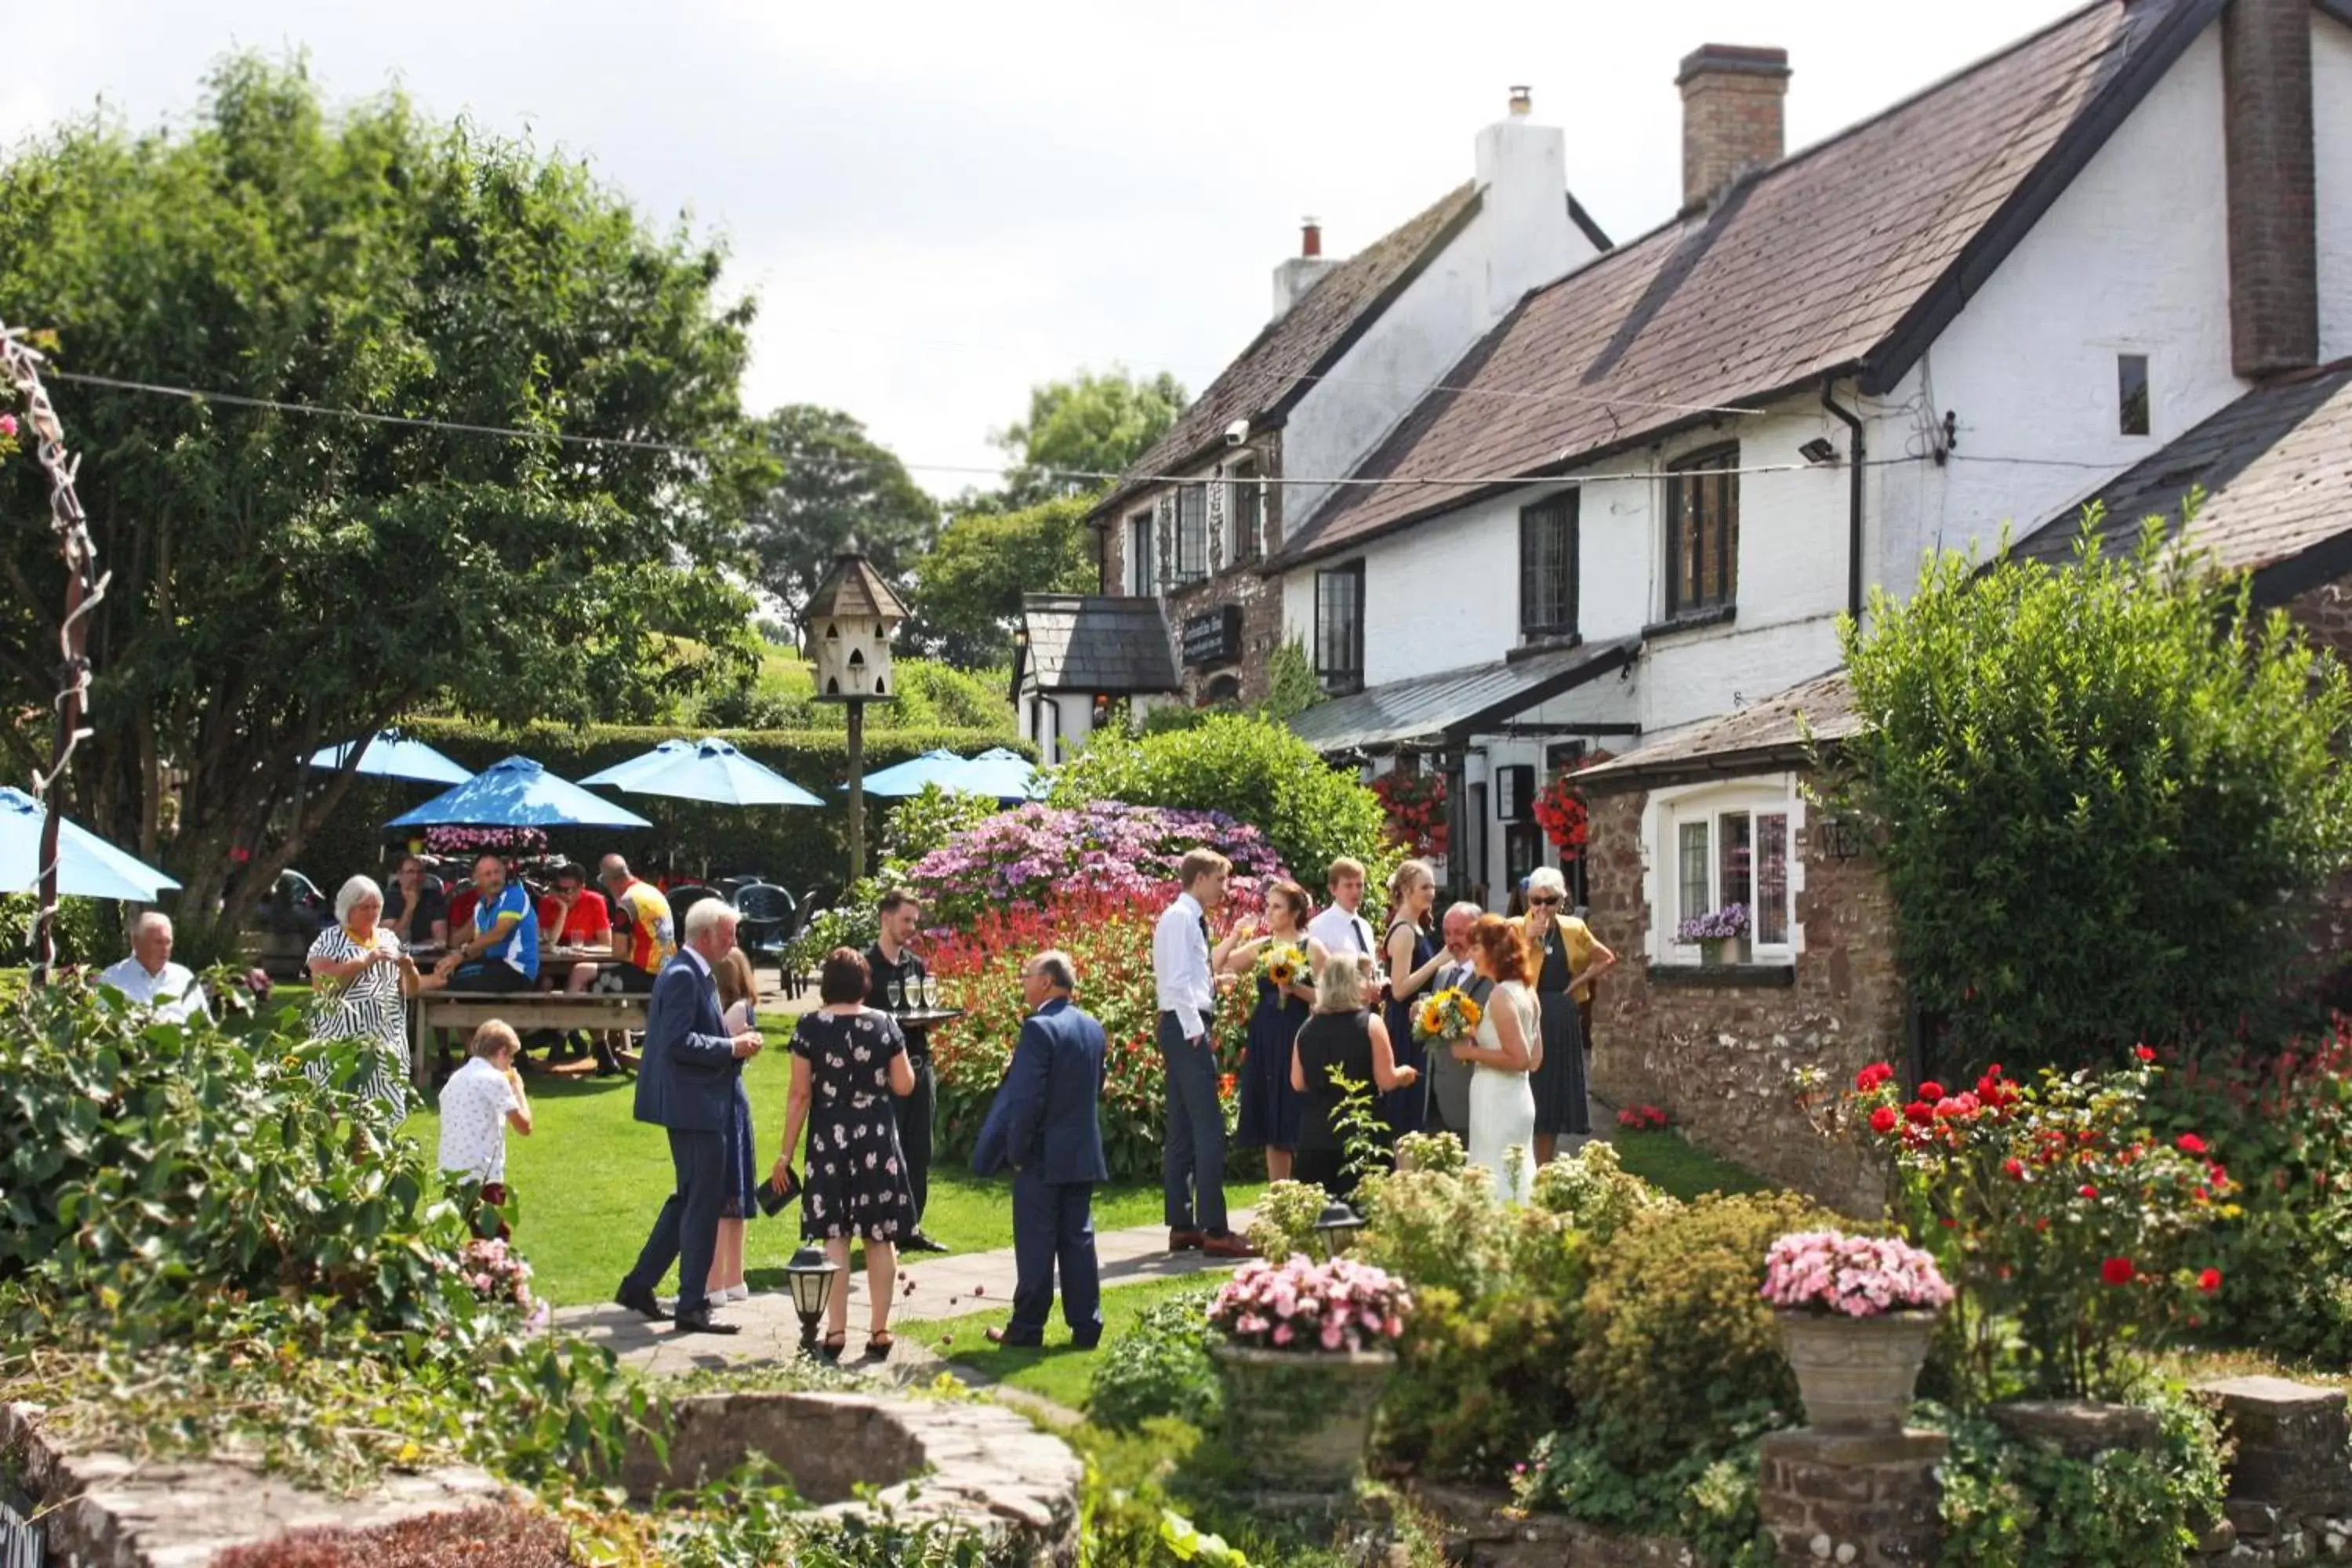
x: 1213, y: 638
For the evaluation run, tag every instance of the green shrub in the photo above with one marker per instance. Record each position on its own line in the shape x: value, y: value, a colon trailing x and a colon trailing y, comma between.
x: 1285, y: 1218
x: 2091, y: 787
x: 1159, y: 1366
x: 1708, y: 1498
x: 1676, y: 1350
x: 851, y: 920
x: 2008, y: 1504
x: 1250, y: 768
x: 1592, y: 1192
x: 89, y: 930
x: 923, y: 822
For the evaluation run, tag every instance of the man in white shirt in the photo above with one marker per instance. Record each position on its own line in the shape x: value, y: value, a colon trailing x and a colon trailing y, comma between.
x: 166, y: 992
x: 1193, y: 1165
x: 1339, y: 927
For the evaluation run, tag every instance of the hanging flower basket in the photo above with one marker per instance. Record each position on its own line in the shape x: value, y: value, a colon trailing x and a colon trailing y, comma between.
x: 1415, y: 804
x: 1561, y: 812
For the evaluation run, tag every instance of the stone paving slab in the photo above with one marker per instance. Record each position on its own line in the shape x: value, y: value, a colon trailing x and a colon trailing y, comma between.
x: 954, y: 1286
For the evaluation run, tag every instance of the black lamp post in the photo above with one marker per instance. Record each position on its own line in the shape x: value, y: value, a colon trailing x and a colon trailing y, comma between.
x: 1337, y: 1226
x: 811, y: 1275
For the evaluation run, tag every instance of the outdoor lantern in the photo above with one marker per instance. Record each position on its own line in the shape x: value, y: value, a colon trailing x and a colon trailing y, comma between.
x: 1842, y: 836
x: 847, y: 626
x: 1338, y: 1225
x: 811, y: 1274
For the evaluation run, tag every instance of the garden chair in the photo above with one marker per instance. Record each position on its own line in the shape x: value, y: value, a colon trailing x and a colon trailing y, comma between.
x: 767, y: 922
x: 683, y: 898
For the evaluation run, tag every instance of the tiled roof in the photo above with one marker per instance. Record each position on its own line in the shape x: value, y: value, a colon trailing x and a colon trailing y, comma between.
x: 853, y: 588
x: 1849, y: 254
x: 1765, y: 735
x: 1084, y: 643
x: 1427, y: 706
x: 2275, y: 468
x: 1274, y: 371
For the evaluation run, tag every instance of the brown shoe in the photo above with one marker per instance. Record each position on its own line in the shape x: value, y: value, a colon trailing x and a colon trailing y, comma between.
x: 1186, y: 1240
x: 1228, y: 1245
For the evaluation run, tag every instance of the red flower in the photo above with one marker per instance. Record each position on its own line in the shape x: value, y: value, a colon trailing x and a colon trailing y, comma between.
x: 2210, y: 1280
x: 1919, y: 1113
x: 1871, y: 1077
x: 1883, y: 1120
x: 2089, y: 1191
x: 1931, y: 1091
x: 2189, y: 1143
x: 2014, y: 1168
x: 2144, y: 1053
x: 2116, y: 1271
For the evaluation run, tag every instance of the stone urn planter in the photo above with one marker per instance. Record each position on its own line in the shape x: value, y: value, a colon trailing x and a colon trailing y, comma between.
x: 1856, y: 1374
x: 1299, y: 1421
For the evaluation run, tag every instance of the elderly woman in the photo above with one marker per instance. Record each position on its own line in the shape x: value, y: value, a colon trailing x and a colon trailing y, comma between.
x: 1567, y: 957
x: 361, y: 978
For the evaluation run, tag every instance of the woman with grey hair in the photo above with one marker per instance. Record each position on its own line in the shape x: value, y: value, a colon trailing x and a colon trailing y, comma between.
x: 1345, y: 1038
x: 1565, y: 955
x: 362, y: 979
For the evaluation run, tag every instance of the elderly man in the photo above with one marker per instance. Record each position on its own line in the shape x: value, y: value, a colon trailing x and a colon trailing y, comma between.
x: 1046, y: 1125
x: 687, y: 1084
x: 644, y: 934
x: 163, y: 991
x: 1449, y: 1080
x: 500, y: 951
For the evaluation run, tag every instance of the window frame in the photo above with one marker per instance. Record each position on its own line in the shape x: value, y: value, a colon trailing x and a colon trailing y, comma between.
x: 1246, y: 513
x: 1142, y: 553
x: 1673, y: 812
x: 1339, y: 679
x: 1685, y: 486
x: 1564, y: 511
x: 1192, y: 532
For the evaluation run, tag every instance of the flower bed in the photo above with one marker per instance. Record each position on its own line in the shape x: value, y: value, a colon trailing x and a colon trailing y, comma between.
x: 1026, y: 856
x: 1108, y: 933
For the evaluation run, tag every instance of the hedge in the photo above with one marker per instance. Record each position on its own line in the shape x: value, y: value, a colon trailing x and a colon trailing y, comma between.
x: 798, y: 847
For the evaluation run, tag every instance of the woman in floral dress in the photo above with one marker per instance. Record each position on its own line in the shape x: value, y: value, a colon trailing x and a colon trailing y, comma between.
x: 847, y: 1060
x: 362, y: 980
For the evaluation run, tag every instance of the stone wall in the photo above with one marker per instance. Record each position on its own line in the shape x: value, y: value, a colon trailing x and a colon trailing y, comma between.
x: 1482, y: 1529
x: 1718, y: 1049
x: 2290, y: 1496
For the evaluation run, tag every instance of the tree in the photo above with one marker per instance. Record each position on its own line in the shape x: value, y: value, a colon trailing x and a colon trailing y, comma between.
x: 969, y: 588
x: 837, y: 481
x: 284, y: 579
x: 1089, y: 425
x: 2101, y: 793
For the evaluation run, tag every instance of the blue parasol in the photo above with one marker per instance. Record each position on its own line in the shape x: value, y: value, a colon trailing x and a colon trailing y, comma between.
x: 1005, y: 774
x: 709, y: 770
x: 393, y: 755
x: 88, y: 866
x: 941, y: 768
x: 519, y: 792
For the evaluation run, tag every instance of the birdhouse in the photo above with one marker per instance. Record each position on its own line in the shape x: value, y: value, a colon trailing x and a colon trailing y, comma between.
x: 847, y: 626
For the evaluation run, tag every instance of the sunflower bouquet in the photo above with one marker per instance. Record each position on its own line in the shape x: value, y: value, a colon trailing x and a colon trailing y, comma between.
x: 1448, y: 1016
x: 1283, y: 964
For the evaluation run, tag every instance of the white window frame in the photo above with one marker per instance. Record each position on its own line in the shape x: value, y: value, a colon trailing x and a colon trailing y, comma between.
x: 1662, y: 822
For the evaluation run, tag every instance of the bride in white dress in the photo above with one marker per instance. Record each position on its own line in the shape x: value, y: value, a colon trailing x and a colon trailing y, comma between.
x: 1506, y: 1047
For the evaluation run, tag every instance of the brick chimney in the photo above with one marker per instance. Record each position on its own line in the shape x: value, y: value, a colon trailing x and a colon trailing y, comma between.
x: 1731, y: 116
x: 1294, y: 277
x: 2266, y: 118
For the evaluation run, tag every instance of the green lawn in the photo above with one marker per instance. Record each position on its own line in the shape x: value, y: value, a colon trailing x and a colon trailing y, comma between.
x: 1672, y: 1164
x: 1058, y: 1371
x: 589, y: 1178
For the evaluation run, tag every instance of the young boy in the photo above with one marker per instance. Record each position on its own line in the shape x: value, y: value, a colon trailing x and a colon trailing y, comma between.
x: 478, y: 1103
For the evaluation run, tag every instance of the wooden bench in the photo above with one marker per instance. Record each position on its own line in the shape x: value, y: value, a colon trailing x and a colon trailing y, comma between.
x: 563, y: 1011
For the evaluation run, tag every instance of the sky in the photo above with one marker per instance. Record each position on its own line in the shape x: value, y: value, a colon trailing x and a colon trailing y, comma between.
x: 937, y: 207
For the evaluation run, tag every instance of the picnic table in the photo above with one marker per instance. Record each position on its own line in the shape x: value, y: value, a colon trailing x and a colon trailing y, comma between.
x: 563, y: 1011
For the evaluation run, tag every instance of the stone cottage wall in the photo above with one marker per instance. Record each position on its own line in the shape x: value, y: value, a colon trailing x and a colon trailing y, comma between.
x: 1720, y: 1057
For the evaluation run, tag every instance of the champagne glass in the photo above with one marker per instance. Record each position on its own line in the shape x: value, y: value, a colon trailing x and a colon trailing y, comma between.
x: 931, y: 993
x: 898, y: 994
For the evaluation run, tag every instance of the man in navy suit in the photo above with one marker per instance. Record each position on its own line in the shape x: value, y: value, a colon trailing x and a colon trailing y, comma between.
x: 686, y: 1082
x: 1045, y: 1126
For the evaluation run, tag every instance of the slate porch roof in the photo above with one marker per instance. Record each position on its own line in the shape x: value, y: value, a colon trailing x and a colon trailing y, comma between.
x: 2275, y: 468
x: 1077, y: 642
x: 1280, y: 363
x: 1427, y: 707
x: 1759, y: 738
x: 1845, y: 258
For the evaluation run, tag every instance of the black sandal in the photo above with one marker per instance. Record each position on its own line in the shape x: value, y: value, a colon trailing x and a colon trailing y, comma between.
x: 878, y: 1346
x: 834, y: 1343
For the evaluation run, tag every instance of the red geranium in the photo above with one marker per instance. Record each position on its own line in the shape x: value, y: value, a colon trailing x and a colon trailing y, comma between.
x: 1415, y: 804
x: 2118, y: 1271
x: 1560, y: 812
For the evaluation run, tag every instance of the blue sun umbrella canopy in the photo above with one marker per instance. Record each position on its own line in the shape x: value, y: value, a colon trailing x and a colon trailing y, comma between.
x: 519, y: 792
x: 942, y: 768
x: 88, y: 866
x: 1003, y: 775
x: 393, y: 755
x: 708, y: 770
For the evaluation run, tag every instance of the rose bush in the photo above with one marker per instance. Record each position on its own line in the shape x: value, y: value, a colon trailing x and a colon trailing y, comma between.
x: 1108, y: 935
x: 2074, y: 1235
x: 1024, y: 856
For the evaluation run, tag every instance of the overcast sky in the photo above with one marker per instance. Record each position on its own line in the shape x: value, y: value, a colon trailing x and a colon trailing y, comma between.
x: 938, y: 205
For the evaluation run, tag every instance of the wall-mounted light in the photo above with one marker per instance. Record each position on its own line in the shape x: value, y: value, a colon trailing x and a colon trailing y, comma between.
x: 1819, y: 451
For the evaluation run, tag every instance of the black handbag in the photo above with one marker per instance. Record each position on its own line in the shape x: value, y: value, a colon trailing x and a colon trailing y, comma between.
x: 772, y: 1198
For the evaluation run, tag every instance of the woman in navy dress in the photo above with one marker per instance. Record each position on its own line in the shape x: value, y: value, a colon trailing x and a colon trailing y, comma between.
x: 1270, y: 1107
x: 1412, y: 957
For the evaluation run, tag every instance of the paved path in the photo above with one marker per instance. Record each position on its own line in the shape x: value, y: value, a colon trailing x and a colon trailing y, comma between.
x: 955, y: 1285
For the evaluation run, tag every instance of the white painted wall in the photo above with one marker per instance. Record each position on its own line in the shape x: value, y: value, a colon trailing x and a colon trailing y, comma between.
x: 2331, y: 96
x: 1520, y: 237
x: 2132, y: 257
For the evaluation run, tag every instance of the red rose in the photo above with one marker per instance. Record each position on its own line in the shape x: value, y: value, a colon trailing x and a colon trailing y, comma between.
x: 1919, y: 1113
x: 2209, y: 1281
x: 2089, y: 1191
x: 2116, y: 1271
x: 1931, y: 1091
x: 1871, y: 1077
x: 2189, y: 1143
x: 2015, y: 1168
x: 1883, y: 1120
x: 2144, y: 1053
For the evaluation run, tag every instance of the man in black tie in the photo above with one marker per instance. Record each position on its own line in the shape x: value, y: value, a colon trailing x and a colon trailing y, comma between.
x: 686, y: 1082
x: 1449, y: 1080
x: 1339, y: 927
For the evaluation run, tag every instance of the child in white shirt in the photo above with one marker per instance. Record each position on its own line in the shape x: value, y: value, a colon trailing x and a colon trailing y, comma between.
x: 478, y: 1103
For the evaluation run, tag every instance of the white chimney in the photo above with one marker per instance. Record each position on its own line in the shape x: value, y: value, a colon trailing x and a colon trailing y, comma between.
x: 1523, y: 180
x: 1297, y: 275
